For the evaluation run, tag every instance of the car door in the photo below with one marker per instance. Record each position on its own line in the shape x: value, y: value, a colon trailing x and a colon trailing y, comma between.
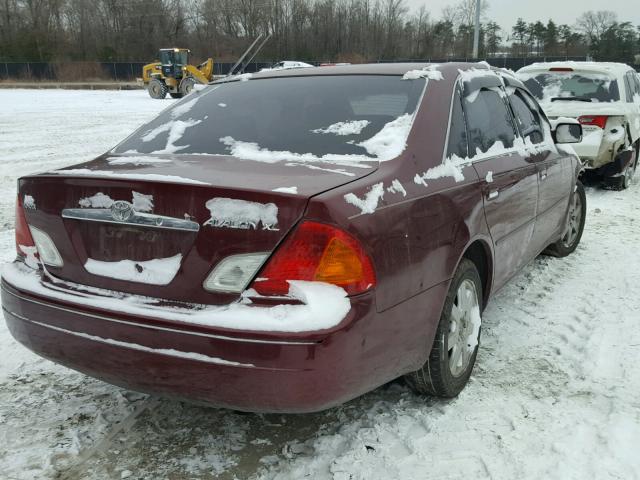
x: 509, y: 180
x: 554, y: 173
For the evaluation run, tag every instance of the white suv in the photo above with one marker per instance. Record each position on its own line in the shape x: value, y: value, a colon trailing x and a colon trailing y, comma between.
x: 605, y: 99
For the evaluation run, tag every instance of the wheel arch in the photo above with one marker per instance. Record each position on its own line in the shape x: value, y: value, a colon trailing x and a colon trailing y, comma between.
x: 479, y: 252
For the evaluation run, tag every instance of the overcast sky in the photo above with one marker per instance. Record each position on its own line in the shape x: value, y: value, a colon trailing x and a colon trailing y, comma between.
x: 505, y: 12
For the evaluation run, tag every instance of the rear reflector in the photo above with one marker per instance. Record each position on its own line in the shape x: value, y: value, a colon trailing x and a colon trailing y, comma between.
x: 596, y: 120
x: 24, y: 240
x: 561, y: 69
x: 317, y: 252
x: 234, y: 273
x: 46, y: 248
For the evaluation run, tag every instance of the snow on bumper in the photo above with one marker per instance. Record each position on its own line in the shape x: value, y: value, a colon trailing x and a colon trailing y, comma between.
x: 323, y: 306
x: 267, y: 372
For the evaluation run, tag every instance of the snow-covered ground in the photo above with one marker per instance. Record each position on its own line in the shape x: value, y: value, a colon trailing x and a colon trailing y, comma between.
x: 555, y: 393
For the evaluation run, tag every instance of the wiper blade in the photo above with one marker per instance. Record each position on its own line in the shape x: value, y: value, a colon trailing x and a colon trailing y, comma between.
x: 572, y: 99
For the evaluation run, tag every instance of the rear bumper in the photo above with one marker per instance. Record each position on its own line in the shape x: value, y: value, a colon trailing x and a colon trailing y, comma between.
x: 221, y: 368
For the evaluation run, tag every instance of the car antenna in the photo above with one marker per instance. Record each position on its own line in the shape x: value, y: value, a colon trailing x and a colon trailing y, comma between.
x: 248, y: 51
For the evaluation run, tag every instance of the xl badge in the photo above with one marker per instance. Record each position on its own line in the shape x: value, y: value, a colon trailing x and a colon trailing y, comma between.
x: 121, y: 211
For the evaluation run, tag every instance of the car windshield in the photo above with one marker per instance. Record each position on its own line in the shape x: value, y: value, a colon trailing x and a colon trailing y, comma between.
x: 594, y: 87
x: 314, y: 116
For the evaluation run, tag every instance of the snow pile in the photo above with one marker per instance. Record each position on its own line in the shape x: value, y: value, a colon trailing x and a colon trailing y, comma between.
x: 136, y: 160
x: 159, y: 271
x: 142, y: 202
x: 31, y: 255
x: 385, y: 145
x: 323, y: 305
x: 473, y: 73
x: 451, y: 167
x: 99, y: 200
x: 369, y: 203
x: 29, y: 202
x: 176, y: 130
x: 396, y: 187
x: 391, y: 141
x: 252, y: 151
x: 286, y: 190
x: 353, y: 127
x: 430, y: 72
x: 242, y: 214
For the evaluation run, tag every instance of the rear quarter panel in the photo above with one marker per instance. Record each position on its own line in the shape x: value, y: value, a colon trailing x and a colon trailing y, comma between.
x: 416, y: 240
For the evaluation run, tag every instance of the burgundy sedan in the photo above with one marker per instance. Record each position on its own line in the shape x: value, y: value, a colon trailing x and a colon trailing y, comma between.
x: 288, y: 241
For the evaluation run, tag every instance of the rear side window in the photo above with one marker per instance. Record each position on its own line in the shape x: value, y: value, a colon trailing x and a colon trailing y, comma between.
x: 457, y: 131
x: 488, y: 122
x: 528, y: 119
x: 318, y: 115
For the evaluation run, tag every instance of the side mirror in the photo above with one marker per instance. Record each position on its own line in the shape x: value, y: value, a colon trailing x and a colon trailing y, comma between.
x: 567, y: 133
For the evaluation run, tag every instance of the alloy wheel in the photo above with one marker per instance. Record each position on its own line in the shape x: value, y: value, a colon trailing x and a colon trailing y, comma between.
x: 574, y: 218
x: 464, y: 327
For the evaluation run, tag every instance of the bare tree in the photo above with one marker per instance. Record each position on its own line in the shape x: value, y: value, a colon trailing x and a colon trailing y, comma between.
x: 594, y: 24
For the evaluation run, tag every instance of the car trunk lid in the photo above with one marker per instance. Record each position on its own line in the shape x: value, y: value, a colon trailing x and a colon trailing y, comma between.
x: 157, y: 225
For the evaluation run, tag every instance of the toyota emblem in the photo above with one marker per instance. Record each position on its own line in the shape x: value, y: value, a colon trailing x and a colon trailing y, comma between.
x: 121, y: 211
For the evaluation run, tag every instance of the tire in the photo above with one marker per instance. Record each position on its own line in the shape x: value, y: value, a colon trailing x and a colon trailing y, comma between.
x: 457, y: 336
x: 157, y: 89
x: 176, y: 95
x: 186, y: 85
x: 574, y: 225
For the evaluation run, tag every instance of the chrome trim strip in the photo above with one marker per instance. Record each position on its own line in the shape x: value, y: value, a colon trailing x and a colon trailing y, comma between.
x: 157, y: 327
x: 138, y: 219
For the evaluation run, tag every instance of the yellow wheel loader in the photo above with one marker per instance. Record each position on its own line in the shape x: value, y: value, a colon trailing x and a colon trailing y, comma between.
x: 173, y: 74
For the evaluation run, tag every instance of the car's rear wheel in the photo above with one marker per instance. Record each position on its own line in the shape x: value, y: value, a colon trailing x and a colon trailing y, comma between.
x: 574, y: 225
x: 455, y: 347
x: 157, y: 89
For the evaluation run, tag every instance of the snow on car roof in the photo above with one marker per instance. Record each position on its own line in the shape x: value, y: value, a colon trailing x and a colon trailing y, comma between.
x: 602, y: 67
x: 364, y: 69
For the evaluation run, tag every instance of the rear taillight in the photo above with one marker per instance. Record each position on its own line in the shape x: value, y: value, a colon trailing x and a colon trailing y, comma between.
x: 24, y: 240
x: 317, y: 252
x: 595, y: 120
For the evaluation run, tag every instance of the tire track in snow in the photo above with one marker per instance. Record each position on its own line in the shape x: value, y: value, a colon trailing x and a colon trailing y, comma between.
x: 76, y: 470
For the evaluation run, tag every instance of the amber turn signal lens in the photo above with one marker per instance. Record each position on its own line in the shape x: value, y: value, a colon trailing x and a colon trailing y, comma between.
x: 317, y: 252
x: 339, y: 265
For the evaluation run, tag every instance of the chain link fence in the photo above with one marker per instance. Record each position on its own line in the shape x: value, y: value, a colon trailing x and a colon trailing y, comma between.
x: 129, y: 71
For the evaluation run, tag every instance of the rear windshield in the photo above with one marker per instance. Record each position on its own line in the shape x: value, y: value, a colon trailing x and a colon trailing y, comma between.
x: 592, y: 87
x: 316, y: 115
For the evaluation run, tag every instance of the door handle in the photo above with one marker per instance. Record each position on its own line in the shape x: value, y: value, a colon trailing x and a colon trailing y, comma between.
x: 493, y: 194
x: 543, y: 175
